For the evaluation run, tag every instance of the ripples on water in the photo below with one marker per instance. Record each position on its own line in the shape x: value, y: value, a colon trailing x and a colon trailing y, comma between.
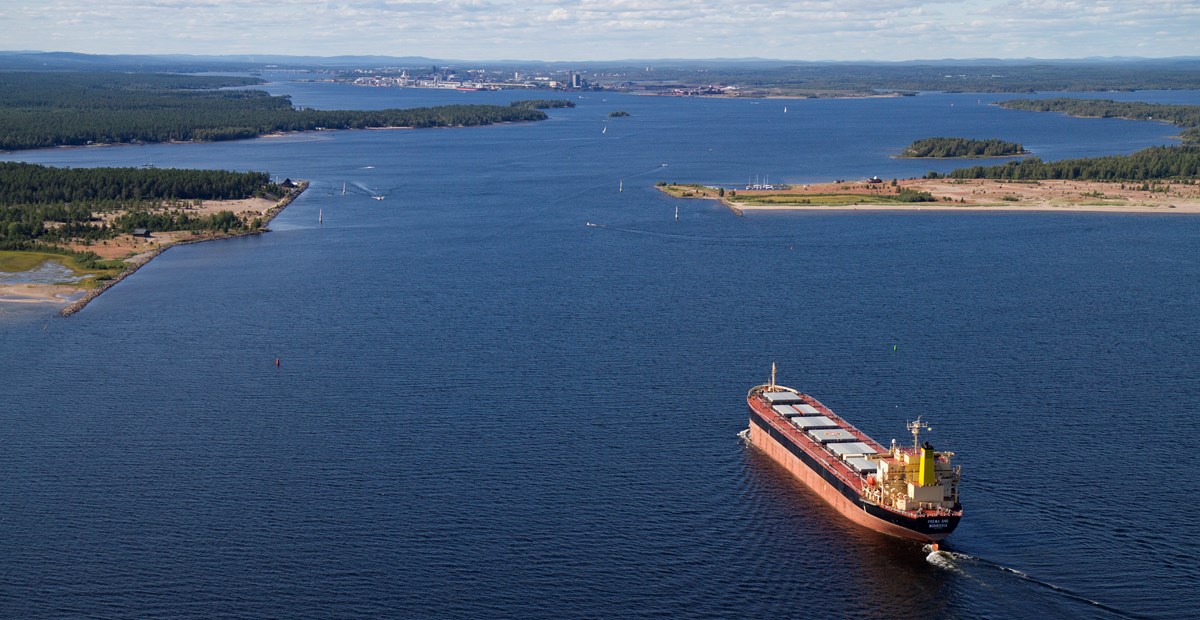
x: 486, y: 408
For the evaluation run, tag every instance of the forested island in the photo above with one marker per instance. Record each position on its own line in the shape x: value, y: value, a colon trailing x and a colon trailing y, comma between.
x: 543, y: 104
x: 962, y: 147
x: 1185, y: 116
x: 42, y: 109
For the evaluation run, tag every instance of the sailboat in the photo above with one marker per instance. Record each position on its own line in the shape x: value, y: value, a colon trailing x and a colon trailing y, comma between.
x: 605, y: 130
x: 621, y: 185
x: 320, y: 216
x: 785, y: 109
x: 343, y: 188
x: 676, y: 213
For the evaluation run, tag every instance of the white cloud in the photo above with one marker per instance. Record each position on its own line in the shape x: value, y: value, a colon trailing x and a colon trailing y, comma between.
x: 609, y: 29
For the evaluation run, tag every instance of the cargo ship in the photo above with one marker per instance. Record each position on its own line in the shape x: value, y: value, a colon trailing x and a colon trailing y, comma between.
x: 910, y: 492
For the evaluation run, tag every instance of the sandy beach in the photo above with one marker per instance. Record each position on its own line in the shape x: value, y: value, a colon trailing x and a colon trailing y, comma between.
x: 124, y: 246
x: 37, y: 293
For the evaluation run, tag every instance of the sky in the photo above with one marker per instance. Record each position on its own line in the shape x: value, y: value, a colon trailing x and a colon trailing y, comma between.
x: 577, y: 30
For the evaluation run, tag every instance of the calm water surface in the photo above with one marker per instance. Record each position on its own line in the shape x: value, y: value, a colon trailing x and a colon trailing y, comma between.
x: 486, y: 408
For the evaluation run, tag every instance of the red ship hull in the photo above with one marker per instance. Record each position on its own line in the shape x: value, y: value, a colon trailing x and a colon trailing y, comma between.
x: 836, y: 483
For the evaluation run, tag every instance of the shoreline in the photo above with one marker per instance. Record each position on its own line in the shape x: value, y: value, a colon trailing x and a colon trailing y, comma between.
x: 964, y: 157
x: 29, y: 293
x: 933, y: 206
x: 140, y: 260
x: 263, y: 136
x: 960, y: 196
x: 772, y: 97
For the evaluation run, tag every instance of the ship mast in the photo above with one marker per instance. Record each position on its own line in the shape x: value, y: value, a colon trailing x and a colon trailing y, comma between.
x: 916, y: 428
x: 772, y: 376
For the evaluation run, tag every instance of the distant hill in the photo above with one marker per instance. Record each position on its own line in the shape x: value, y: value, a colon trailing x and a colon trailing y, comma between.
x: 758, y: 76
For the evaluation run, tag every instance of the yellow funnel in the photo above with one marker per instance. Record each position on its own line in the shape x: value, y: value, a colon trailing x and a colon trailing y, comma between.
x: 926, y: 476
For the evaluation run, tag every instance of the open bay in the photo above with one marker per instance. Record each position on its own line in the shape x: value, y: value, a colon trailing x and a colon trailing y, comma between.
x: 485, y: 408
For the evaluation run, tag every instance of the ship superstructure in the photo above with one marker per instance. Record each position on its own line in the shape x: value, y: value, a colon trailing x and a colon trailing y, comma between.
x: 906, y: 491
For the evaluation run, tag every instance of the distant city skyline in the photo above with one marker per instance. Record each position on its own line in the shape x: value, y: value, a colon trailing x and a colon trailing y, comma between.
x: 598, y: 30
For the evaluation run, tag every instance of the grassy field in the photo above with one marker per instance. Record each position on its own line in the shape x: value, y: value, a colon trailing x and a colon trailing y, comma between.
x: 817, y: 200
x: 758, y: 198
x: 690, y: 190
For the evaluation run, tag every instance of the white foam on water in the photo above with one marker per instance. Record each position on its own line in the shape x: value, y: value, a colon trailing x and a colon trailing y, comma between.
x: 942, y: 559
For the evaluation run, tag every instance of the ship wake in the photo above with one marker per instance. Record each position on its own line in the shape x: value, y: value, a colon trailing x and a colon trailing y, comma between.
x: 941, y: 559
x: 958, y: 562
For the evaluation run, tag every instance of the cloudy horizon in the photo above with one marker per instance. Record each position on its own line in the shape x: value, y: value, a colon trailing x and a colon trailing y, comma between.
x: 599, y: 30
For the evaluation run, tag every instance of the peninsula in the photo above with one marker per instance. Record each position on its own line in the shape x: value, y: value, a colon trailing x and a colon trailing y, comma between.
x: 43, y: 109
x: 963, y: 195
x: 1186, y: 117
x: 1154, y: 180
x: 76, y: 232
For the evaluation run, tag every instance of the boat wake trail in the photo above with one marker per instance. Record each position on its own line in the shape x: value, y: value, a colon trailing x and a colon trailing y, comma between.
x: 647, y: 171
x: 956, y: 561
x: 600, y: 187
x: 679, y: 237
x: 358, y: 188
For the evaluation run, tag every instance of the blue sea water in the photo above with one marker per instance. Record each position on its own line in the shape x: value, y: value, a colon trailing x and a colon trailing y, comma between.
x: 486, y: 408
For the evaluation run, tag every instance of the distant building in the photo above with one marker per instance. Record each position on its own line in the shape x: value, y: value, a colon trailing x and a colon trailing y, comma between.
x: 576, y: 80
x: 141, y: 232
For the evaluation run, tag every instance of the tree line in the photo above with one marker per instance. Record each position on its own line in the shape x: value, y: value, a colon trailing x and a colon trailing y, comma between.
x: 42, y: 205
x: 155, y: 221
x: 1185, y: 116
x: 54, y: 109
x: 1154, y: 163
x: 870, y: 78
x: 962, y: 147
x: 22, y: 183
